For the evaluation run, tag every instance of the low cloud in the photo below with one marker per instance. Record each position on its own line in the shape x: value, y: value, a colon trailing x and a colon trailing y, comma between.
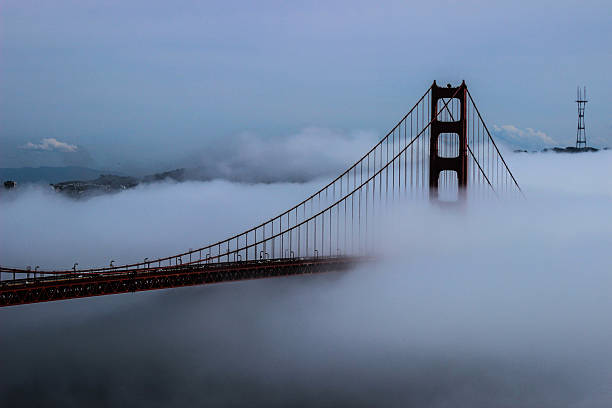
x: 527, y: 138
x: 50, y: 144
x: 310, y: 153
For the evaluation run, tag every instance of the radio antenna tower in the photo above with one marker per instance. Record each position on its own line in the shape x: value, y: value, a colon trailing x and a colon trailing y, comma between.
x: 580, y: 133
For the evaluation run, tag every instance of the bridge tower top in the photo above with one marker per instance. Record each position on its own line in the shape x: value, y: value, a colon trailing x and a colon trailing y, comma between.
x: 448, y: 146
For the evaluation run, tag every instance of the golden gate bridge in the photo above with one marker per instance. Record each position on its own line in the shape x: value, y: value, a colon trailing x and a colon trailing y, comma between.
x: 440, y: 150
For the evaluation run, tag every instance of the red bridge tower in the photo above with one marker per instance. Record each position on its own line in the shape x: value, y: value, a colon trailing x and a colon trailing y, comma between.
x: 458, y: 126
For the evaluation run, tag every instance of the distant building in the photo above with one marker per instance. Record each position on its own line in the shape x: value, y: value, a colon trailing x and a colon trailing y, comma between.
x: 10, y: 184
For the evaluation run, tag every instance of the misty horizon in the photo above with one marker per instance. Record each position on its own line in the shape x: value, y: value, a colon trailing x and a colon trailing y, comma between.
x: 247, y: 157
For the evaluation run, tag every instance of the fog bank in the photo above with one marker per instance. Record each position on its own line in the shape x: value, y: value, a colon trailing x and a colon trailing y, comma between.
x: 498, y: 304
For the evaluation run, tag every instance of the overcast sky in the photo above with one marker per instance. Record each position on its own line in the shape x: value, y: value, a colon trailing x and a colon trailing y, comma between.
x: 140, y: 85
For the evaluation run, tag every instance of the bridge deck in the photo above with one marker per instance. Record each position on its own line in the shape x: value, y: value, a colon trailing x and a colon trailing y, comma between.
x: 79, y: 285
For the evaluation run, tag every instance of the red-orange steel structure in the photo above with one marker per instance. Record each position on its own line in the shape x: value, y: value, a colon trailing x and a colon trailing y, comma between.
x: 78, y: 285
x: 457, y: 161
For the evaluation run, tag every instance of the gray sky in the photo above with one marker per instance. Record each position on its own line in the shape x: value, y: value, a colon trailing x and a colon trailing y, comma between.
x: 141, y: 85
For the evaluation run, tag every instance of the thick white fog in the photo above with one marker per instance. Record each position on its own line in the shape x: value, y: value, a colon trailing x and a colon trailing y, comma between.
x: 502, y: 304
x: 52, y: 230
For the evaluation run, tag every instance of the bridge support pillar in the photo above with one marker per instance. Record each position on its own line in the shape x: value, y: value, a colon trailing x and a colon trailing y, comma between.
x: 457, y: 125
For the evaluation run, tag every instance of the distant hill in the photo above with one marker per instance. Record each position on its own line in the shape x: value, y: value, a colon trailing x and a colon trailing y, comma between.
x: 48, y: 175
x: 84, y: 182
x: 109, y: 183
x: 176, y: 175
x: 106, y: 183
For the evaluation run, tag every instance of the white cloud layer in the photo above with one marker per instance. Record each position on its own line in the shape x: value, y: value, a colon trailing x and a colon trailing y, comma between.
x: 527, y: 138
x: 50, y: 144
x: 302, y: 156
